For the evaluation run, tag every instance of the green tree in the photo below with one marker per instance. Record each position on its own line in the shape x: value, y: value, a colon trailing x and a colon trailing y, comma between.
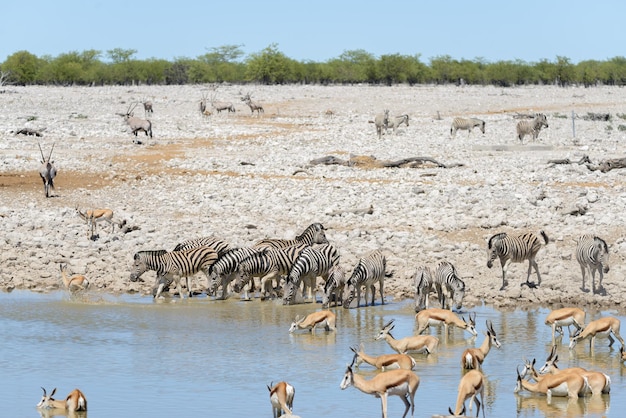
x: 23, y: 67
x: 270, y: 66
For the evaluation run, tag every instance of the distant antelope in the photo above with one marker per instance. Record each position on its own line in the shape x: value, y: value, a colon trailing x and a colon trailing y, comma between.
x: 47, y: 171
x: 74, y: 283
x: 93, y: 216
x: 219, y: 106
x: 136, y: 124
x: 147, y: 106
x: 206, y: 113
x: 247, y: 99
x: 75, y: 401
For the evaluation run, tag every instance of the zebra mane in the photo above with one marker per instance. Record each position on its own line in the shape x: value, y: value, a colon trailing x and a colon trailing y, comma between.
x: 139, y: 254
x: 605, y: 247
x: 309, y: 230
x: 497, y: 237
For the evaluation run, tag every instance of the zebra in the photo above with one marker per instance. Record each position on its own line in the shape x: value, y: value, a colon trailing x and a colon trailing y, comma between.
x: 448, y: 285
x: 382, y: 122
x: 466, y: 124
x: 269, y: 265
x: 396, y: 121
x: 531, y: 127
x: 592, y: 254
x: 173, y: 265
x: 516, y: 249
x: 221, y: 246
x: 423, y: 281
x: 370, y: 269
x: 311, y: 263
x: 225, y: 268
x: 334, y: 286
x: 313, y: 234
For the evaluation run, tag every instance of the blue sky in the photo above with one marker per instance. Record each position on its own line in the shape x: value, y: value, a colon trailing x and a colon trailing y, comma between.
x: 320, y: 30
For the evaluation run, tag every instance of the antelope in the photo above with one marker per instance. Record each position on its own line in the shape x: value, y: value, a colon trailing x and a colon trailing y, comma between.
x: 75, y: 401
x: 319, y: 318
x: 252, y: 105
x: 418, y: 343
x: 93, y: 216
x: 437, y: 316
x: 473, y: 358
x: 564, y: 384
x: 565, y: 316
x: 622, y: 353
x: 602, y: 327
x: 136, y: 124
x: 76, y: 282
x: 147, y: 106
x: 219, y: 106
x: 281, y: 397
x: 47, y: 171
x: 383, y: 362
x: 381, y: 121
x: 598, y: 382
x: 203, y: 109
x: 471, y: 386
x: 402, y: 383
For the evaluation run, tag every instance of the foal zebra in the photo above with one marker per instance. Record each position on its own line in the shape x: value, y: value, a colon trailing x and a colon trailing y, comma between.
x: 531, y: 127
x: 448, y: 285
x: 313, y: 234
x: 592, y: 254
x: 311, y: 263
x: 516, y: 249
x: 369, y: 270
x: 466, y: 124
x: 423, y: 282
x: 173, y: 265
x: 396, y: 121
x: 225, y: 269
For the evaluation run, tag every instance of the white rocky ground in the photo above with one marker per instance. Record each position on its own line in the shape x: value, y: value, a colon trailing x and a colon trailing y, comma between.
x: 233, y: 176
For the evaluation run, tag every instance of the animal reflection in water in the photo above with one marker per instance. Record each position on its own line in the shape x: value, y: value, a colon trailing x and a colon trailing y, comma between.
x: 563, y: 406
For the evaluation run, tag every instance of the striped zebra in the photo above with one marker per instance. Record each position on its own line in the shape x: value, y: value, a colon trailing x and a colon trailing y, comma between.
x: 268, y: 265
x: 312, y: 262
x: 395, y: 121
x: 173, y: 265
x: 225, y: 269
x: 334, y: 286
x: 516, y: 249
x: 381, y: 121
x: 313, y: 234
x: 592, y: 254
x: 531, y: 127
x: 218, y: 244
x: 369, y: 270
x: 423, y: 282
x: 466, y: 124
x: 448, y: 285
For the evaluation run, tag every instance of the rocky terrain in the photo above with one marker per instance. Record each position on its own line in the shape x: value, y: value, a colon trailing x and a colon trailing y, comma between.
x: 244, y: 177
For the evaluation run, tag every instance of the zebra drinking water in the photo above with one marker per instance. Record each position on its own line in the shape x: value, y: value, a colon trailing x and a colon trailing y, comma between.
x: 334, y: 286
x: 592, y: 254
x: 173, y: 265
x: 311, y: 263
x: 370, y: 269
x: 423, y: 281
x: 531, y: 127
x: 516, y: 249
x: 466, y: 124
x: 225, y: 269
x: 449, y: 285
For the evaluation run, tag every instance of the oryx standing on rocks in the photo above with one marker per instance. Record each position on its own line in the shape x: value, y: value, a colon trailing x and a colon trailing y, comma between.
x: 136, y: 124
x: 47, y: 171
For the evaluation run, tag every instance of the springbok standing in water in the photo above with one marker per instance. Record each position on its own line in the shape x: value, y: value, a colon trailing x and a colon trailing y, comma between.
x: 47, y: 171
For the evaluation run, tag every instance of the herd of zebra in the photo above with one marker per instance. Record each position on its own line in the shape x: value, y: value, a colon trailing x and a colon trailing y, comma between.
x: 289, y: 268
x: 524, y: 127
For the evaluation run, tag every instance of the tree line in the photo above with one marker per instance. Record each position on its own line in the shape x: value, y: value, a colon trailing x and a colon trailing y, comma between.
x: 271, y: 66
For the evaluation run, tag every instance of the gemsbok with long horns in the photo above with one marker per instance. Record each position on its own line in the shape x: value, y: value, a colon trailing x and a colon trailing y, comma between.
x: 47, y: 171
x: 416, y: 343
x: 472, y: 358
x: 136, y: 124
x: 472, y: 387
x: 75, y: 401
x: 402, y: 383
x: 281, y: 398
x: 254, y: 106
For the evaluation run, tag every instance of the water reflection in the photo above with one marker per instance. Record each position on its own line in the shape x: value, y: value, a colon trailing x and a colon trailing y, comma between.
x: 51, y: 413
x: 529, y: 405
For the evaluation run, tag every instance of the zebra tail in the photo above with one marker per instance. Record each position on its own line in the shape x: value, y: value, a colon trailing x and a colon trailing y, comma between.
x: 545, y: 237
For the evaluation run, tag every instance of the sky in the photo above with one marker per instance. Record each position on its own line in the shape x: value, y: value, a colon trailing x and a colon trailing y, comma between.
x: 320, y: 30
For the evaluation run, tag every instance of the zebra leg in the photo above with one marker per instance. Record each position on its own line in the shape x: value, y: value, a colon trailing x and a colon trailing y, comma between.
x: 536, y: 267
x: 382, y: 296
x: 504, y: 265
x: 373, y: 293
x: 583, y: 270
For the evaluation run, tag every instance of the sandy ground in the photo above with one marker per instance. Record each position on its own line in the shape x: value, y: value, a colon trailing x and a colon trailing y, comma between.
x: 243, y: 177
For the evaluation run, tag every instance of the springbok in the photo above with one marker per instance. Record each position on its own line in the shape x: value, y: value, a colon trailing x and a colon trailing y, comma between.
x: 445, y: 317
x: 75, y: 401
x: 402, y: 383
x: 383, y: 362
x: 471, y: 386
x: 136, y: 124
x: 598, y: 382
x: 47, y: 171
x: 473, y: 358
x: 281, y: 397
x: 565, y: 317
x: 602, y: 327
x: 313, y: 320
x: 93, y: 216
x: 417, y: 343
x: 74, y: 283
x: 565, y: 384
x: 622, y: 353
x: 247, y: 99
